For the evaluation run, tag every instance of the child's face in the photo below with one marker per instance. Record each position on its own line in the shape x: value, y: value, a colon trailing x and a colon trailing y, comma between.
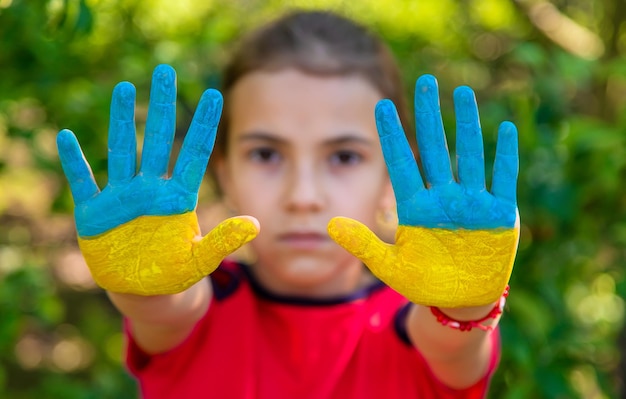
x: 303, y: 149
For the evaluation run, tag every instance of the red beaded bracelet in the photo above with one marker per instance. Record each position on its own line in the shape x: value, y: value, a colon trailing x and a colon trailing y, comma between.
x: 468, y: 325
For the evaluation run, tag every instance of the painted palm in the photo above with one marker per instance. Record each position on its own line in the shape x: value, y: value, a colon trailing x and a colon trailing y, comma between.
x: 456, y: 241
x: 140, y: 234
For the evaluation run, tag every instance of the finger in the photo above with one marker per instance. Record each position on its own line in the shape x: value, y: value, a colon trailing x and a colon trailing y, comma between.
x: 506, y: 164
x: 431, y: 138
x: 226, y: 238
x: 75, y: 166
x: 361, y: 242
x: 403, y: 171
x: 161, y: 122
x: 198, y: 144
x: 122, y: 141
x: 469, y: 140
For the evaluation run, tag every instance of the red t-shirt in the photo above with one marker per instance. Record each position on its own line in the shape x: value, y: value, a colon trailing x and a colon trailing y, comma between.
x: 254, y: 345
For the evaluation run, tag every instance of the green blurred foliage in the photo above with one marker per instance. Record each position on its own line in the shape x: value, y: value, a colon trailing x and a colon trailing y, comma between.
x: 558, y: 70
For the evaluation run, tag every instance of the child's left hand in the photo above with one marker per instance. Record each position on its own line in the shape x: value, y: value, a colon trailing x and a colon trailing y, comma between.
x: 456, y: 241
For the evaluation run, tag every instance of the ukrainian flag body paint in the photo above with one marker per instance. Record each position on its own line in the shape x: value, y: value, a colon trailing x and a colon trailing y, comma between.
x: 436, y: 267
x: 140, y: 234
x: 456, y: 242
x: 156, y: 255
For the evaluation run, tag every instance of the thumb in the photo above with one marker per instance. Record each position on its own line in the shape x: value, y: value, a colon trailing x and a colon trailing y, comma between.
x: 224, y: 239
x: 361, y: 242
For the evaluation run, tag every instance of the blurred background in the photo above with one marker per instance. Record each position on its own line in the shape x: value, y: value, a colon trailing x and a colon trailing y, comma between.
x: 556, y: 68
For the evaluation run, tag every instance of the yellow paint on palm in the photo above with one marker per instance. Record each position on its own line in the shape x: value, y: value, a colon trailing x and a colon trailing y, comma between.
x: 157, y: 255
x: 435, y: 267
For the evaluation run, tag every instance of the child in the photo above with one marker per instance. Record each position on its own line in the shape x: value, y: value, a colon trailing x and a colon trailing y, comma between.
x: 299, y: 153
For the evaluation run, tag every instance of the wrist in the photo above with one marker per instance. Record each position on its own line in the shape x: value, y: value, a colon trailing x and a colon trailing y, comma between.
x: 465, y: 319
x: 468, y: 313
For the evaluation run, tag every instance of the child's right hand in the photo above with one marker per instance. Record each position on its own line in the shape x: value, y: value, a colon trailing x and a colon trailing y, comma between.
x: 140, y: 234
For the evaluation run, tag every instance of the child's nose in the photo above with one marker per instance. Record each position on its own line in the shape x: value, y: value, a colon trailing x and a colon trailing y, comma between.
x: 305, y: 190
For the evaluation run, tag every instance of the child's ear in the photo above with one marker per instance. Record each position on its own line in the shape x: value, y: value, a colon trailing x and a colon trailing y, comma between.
x: 388, y: 197
x: 224, y: 181
x: 387, y: 217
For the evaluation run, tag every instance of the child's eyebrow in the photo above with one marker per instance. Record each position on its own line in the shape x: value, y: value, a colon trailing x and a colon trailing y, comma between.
x: 261, y: 136
x: 343, y: 139
x: 348, y: 138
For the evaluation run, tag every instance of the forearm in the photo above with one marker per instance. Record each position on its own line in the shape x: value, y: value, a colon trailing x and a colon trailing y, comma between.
x: 458, y: 358
x: 159, y: 323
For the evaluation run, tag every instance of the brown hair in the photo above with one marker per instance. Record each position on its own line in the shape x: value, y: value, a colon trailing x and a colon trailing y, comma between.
x: 315, y: 42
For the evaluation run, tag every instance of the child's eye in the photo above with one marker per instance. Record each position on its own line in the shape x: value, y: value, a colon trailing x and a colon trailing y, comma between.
x: 265, y: 155
x: 345, y: 158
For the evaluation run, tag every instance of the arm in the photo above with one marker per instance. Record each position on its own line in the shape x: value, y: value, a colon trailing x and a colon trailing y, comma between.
x: 140, y: 235
x: 456, y: 241
x: 161, y: 322
x: 458, y: 358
